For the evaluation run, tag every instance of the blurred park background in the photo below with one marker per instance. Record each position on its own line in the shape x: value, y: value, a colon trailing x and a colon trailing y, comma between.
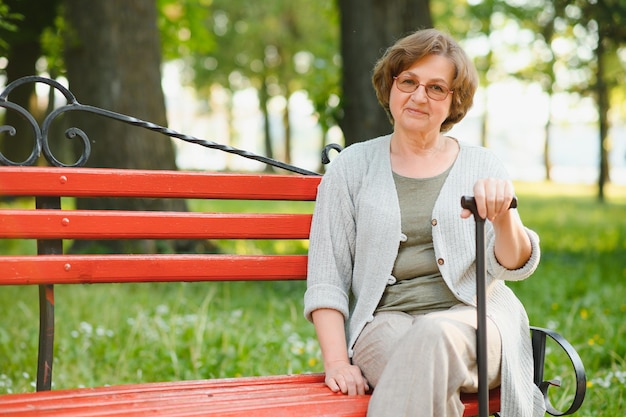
x: 282, y: 78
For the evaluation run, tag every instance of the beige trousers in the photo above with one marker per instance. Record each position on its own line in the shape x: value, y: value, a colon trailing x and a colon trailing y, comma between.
x: 420, y: 364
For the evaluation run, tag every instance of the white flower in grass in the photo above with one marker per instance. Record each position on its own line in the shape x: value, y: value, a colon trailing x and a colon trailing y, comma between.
x: 162, y: 310
x: 86, y: 328
x: 617, y: 377
x: 296, y: 345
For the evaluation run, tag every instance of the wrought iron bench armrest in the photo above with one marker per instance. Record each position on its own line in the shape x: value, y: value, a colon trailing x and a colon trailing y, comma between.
x: 539, y: 352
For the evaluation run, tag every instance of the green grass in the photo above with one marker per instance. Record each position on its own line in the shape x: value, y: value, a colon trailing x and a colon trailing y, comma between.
x: 579, y: 288
x: 111, y: 334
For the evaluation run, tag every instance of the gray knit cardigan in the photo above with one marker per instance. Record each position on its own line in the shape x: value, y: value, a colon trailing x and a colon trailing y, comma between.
x: 355, y: 236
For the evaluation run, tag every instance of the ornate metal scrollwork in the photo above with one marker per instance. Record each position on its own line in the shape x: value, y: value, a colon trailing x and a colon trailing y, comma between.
x: 326, y: 152
x: 41, y: 134
x: 10, y: 130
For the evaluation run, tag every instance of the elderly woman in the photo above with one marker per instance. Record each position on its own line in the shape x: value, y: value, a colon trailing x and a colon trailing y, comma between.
x: 391, y: 284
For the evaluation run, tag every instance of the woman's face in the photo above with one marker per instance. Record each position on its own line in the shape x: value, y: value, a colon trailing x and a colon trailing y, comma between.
x: 416, y: 112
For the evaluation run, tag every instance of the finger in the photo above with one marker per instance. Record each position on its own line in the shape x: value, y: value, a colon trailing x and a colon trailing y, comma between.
x: 509, y: 194
x: 353, y: 381
x: 357, y: 381
x: 493, y: 198
x: 504, y: 196
x: 352, y: 388
x: 479, y: 198
x: 363, y: 387
x: 343, y: 386
x: 352, y: 384
x: 501, y: 197
x: 332, y: 384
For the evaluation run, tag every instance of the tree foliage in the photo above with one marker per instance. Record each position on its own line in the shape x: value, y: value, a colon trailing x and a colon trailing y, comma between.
x: 8, y: 24
x: 573, y: 47
x: 276, y: 47
x: 592, y: 32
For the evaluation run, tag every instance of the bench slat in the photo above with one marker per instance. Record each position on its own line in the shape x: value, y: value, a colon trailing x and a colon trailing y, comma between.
x: 289, y: 395
x: 91, y: 269
x: 96, y: 182
x: 83, y: 224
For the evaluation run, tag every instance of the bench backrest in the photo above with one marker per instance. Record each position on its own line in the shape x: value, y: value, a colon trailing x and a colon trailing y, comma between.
x: 45, y: 224
x: 51, y: 225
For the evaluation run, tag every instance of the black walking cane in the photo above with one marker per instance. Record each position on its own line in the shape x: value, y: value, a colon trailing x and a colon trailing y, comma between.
x: 481, y: 305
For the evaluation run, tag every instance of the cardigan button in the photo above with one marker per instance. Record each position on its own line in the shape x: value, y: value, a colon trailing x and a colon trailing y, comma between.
x: 433, y: 222
x: 440, y: 261
x: 391, y: 280
x: 403, y: 237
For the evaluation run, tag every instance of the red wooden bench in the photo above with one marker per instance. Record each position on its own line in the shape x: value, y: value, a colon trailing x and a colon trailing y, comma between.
x: 50, y: 224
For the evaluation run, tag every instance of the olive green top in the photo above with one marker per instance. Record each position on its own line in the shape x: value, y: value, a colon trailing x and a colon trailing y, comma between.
x: 418, y: 286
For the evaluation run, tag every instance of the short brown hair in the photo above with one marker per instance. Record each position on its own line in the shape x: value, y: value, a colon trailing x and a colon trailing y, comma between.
x: 406, y: 51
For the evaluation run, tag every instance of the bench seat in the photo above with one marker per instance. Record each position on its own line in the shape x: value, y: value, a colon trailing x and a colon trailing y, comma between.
x: 268, y: 396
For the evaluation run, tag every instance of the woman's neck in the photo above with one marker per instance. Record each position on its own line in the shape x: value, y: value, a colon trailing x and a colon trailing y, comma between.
x: 423, y: 158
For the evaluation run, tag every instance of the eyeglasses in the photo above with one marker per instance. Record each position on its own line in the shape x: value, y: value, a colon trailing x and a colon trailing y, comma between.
x: 408, y: 84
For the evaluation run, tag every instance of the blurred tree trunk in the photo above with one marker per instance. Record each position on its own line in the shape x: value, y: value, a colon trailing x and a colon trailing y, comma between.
x: 602, y: 97
x: 264, y: 98
x: 113, y: 59
x: 22, y: 55
x: 368, y: 28
x: 547, y: 161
